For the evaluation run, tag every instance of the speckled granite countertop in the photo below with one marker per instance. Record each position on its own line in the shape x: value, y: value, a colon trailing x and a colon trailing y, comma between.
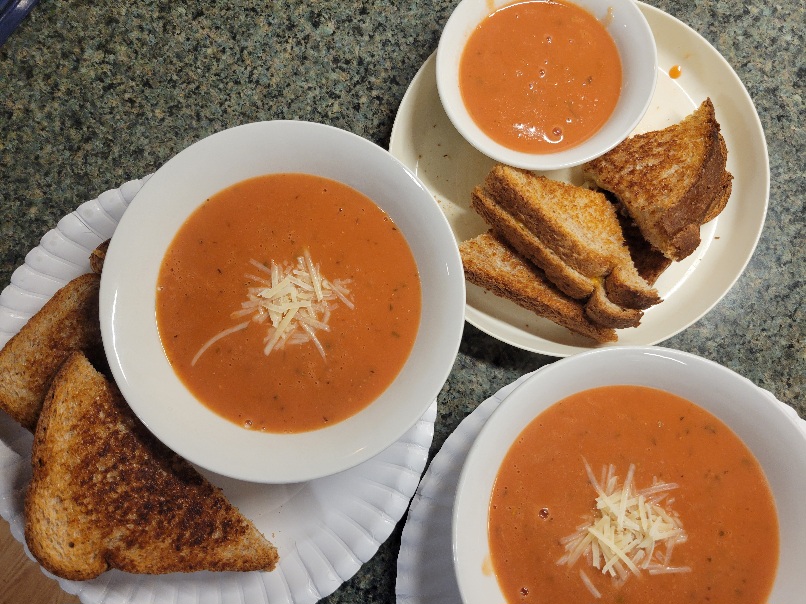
x: 95, y: 94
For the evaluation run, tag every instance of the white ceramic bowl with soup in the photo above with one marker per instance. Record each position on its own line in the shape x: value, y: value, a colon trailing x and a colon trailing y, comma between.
x: 544, y: 85
x: 281, y: 301
x: 639, y: 472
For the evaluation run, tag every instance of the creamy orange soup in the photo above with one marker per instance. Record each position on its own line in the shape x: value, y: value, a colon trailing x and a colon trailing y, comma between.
x: 717, y: 543
x: 540, y: 76
x: 288, y: 302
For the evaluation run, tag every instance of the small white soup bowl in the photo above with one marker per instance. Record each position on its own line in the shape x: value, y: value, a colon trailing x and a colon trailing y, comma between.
x: 773, y: 432
x: 637, y: 51
x: 128, y: 299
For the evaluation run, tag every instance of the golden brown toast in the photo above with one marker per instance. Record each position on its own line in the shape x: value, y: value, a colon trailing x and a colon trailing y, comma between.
x: 491, y: 263
x: 580, y: 225
x: 527, y: 244
x: 570, y: 232
x: 105, y: 493
x: 28, y: 362
x: 670, y: 181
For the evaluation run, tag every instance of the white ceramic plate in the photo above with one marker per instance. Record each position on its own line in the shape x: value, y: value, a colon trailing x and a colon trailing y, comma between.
x: 424, y: 139
x: 324, y: 529
x: 425, y: 567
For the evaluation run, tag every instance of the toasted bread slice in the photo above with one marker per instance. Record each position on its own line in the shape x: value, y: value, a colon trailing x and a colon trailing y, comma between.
x: 490, y: 263
x: 670, y: 181
x: 577, y: 228
x: 106, y: 494
x: 28, y: 362
x: 527, y: 244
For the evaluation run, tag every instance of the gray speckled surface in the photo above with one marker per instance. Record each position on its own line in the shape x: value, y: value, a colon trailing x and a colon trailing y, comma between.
x: 95, y: 94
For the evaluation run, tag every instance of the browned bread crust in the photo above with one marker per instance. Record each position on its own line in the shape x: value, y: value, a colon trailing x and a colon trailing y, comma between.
x: 670, y: 181
x: 602, y: 310
x: 722, y: 195
x: 98, y: 256
x: 106, y: 494
x: 490, y: 263
x: 625, y: 287
x: 28, y: 362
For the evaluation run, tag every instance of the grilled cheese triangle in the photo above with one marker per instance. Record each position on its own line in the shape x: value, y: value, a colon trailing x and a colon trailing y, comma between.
x: 66, y: 323
x: 573, y: 235
x: 670, y: 181
x: 105, y: 493
x: 570, y: 232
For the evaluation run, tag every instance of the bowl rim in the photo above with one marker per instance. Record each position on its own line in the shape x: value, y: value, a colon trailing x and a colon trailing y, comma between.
x: 639, y: 70
x: 786, y: 476
x: 128, y: 290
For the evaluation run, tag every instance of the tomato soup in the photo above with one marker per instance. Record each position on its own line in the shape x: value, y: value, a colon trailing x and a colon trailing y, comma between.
x: 621, y: 460
x: 288, y: 302
x: 540, y: 76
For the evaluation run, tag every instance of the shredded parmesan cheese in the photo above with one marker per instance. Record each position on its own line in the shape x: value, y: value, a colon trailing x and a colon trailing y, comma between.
x: 629, y: 531
x: 294, y: 300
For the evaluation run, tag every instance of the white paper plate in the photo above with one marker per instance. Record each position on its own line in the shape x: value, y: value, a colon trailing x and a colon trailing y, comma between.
x: 425, y: 573
x: 425, y: 567
x: 424, y: 139
x: 324, y: 529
